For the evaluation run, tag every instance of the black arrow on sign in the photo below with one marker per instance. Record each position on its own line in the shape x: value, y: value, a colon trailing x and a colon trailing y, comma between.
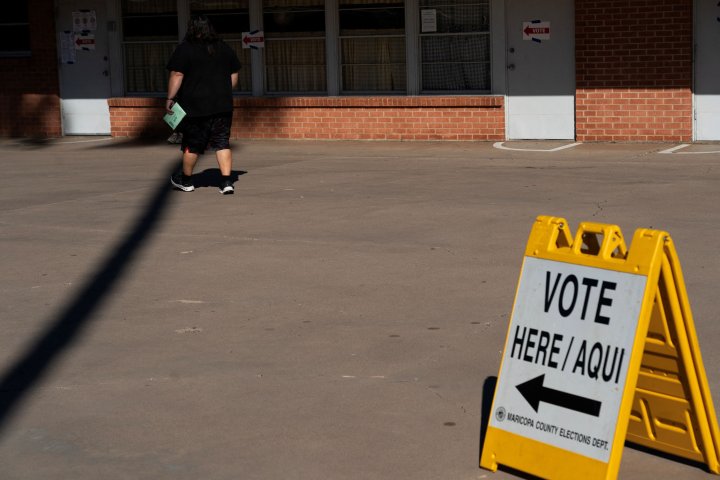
x: 534, y: 392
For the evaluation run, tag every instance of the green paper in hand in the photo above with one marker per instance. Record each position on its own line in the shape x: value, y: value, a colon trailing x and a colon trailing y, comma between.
x: 174, y: 118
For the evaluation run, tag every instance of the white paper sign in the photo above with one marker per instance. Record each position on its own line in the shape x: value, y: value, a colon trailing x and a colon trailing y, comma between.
x: 428, y: 20
x: 67, y: 48
x: 84, y: 20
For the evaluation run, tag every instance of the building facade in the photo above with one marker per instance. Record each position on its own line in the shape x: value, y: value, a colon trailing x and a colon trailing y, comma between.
x: 587, y: 70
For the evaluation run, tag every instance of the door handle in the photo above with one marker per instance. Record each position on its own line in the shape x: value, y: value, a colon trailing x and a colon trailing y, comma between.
x: 511, y: 67
x: 106, y: 73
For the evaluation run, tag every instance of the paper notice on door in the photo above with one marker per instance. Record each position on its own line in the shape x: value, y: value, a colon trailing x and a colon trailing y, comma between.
x: 67, y: 48
x: 84, y: 20
x: 428, y: 20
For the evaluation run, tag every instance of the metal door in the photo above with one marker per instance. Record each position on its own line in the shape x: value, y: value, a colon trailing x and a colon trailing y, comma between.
x: 541, y: 69
x: 707, y: 70
x: 84, y: 67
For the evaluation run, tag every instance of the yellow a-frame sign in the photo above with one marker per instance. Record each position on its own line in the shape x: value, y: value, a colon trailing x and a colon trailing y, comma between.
x: 601, y: 348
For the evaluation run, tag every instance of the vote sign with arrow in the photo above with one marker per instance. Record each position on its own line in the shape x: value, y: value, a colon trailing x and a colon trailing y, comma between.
x: 254, y: 39
x: 536, y: 30
x: 567, y: 354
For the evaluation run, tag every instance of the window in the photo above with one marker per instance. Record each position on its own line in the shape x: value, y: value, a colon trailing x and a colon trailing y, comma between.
x: 230, y: 19
x: 455, y: 45
x: 150, y: 34
x: 372, y: 46
x: 294, y: 46
x: 15, y: 30
x: 364, y: 52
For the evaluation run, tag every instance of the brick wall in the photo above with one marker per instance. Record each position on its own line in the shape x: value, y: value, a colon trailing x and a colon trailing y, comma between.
x: 29, y: 92
x: 633, y: 81
x: 338, y: 118
x: 633, y: 70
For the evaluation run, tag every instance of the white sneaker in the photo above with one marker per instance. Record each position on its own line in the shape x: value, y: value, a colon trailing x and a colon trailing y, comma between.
x: 177, y: 182
x: 226, y: 187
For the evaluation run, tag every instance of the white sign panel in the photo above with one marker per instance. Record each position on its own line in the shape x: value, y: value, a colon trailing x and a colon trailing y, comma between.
x: 567, y: 355
x: 428, y: 20
x: 536, y: 30
x: 84, y: 20
x: 67, y: 47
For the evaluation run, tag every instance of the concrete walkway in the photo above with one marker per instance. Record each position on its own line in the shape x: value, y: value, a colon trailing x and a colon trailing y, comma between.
x: 335, y: 319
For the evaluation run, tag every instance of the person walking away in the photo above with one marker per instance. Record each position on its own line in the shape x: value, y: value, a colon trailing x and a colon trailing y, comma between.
x: 203, y: 72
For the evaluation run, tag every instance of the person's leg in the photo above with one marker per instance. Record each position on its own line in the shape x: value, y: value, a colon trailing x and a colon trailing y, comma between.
x: 183, y: 179
x: 188, y: 162
x: 195, y: 134
x: 224, y: 159
x: 220, y: 142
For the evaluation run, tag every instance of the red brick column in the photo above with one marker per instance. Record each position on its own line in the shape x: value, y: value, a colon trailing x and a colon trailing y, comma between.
x: 633, y: 70
x: 29, y: 88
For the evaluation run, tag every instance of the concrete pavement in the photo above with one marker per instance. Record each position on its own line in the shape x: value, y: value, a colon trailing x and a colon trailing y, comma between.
x: 334, y: 319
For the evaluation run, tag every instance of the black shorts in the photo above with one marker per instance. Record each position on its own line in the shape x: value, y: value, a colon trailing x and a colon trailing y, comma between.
x: 211, y: 132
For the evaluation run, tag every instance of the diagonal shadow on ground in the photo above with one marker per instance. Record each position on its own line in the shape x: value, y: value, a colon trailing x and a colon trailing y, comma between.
x: 29, y: 369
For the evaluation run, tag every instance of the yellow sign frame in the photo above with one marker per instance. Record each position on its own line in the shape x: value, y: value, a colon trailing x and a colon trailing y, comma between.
x: 666, y: 403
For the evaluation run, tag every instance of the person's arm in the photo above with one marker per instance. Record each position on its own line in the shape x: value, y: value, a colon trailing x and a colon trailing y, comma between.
x: 234, y: 79
x: 174, y: 83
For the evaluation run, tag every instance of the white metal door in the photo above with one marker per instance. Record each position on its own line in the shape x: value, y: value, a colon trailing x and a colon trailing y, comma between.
x: 541, y: 69
x: 84, y: 66
x: 707, y: 70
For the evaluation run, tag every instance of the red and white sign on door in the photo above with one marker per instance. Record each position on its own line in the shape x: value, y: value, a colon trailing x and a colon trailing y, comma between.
x: 84, y: 41
x: 536, y: 30
x: 254, y: 39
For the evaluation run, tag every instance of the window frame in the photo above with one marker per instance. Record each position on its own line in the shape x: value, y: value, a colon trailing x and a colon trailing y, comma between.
x: 127, y: 43
x: 333, y: 45
x: 295, y: 36
x: 454, y: 34
x: 26, y: 31
x: 363, y: 8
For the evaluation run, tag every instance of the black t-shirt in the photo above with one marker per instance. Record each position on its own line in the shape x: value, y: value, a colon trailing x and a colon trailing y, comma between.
x: 206, y: 87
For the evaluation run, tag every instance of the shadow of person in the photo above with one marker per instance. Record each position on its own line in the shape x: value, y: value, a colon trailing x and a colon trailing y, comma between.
x: 211, y: 177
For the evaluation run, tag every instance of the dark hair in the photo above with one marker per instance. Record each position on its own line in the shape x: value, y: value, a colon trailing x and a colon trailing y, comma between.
x: 200, y: 30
